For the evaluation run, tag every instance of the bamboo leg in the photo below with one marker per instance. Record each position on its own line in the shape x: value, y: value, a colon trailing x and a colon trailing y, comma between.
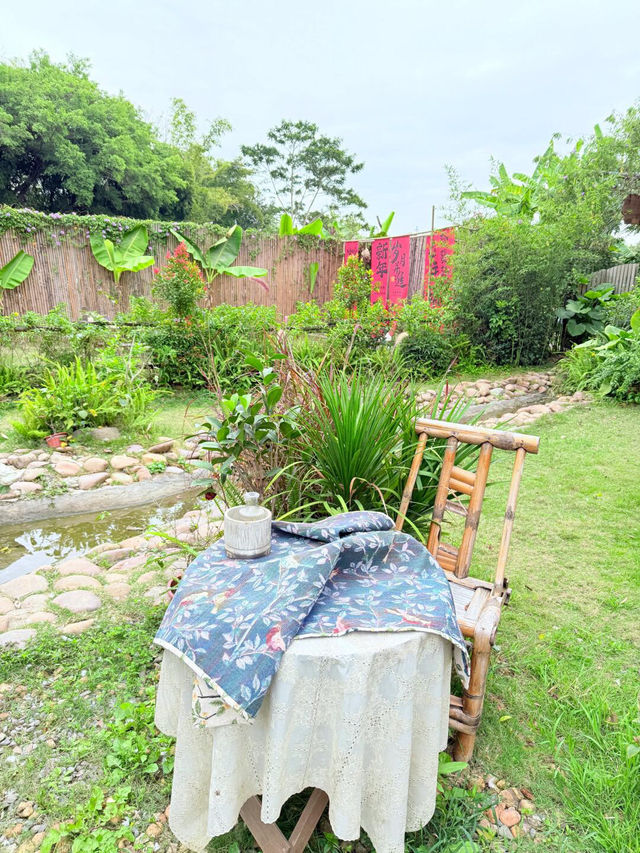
x: 473, y: 696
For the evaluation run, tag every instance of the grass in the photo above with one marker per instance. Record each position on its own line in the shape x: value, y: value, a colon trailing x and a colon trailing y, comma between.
x: 562, y: 713
x: 561, y: 716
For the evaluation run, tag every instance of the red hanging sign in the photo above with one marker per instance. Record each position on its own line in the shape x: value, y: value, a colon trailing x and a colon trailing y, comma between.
x: 350, y: 248
x: 398, y: 269
x: 380, y: 270
x: 438, y: 251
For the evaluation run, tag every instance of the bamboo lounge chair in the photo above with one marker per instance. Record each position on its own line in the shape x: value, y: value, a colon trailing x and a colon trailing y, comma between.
x: 478, y: 603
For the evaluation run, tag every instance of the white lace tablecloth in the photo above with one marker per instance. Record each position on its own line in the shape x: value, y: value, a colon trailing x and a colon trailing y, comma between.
x: 362, y: 716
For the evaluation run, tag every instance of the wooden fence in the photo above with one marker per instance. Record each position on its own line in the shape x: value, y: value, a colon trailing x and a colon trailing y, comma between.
x: 69, y: 273
x: 622, y: 277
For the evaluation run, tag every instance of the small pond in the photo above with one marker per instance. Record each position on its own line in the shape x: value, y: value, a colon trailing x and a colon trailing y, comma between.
x: 24, y: 548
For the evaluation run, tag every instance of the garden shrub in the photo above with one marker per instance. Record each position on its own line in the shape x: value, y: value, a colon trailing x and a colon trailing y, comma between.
x: 193, y: 351
x: 110, y: 391
x: 427, y: 353
x: 609, y: 364
x: 353, y: 284
x: 509, y: 279
x: 180, y: 282
x: 620, y: 311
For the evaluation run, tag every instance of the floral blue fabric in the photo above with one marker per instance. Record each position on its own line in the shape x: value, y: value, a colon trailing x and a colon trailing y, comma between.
x: 232, y: 620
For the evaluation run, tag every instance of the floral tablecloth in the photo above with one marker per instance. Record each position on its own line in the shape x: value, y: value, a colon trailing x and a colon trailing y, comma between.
x: 231, y: 621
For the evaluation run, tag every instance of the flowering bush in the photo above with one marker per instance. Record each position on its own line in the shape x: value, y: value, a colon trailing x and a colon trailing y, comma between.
x: 353, y: 285
x: 179, y: 282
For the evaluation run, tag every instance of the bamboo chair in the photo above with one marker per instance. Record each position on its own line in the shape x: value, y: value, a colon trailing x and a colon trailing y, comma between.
x: 478, y: 603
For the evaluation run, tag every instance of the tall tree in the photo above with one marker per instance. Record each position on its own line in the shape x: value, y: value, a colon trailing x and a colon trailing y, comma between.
x: 303, y: 171
x: 67, y: 145
x: 221, y: 190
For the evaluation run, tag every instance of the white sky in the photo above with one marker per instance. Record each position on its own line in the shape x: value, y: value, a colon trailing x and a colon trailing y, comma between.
x: 408, y: 85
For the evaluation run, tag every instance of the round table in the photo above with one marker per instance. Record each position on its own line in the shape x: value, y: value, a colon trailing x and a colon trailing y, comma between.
x: 362, y: 717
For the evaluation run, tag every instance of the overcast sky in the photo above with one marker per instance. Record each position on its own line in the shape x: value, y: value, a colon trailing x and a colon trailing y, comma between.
x: 409, y: 85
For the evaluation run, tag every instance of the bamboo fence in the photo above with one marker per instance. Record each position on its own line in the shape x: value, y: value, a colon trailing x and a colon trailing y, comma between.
x: 69, y: 274
x: 622, y: 277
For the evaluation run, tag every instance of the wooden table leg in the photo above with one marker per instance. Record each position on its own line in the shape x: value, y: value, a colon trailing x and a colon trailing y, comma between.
x: 270, y: 839
x: 308, y: 820
x: 268, y: 836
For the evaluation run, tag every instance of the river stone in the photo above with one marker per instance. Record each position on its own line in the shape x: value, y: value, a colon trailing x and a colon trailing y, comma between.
x: 120, y: 462
x: 156, y: 593
x: 104, y: 433
x: 35, y: 602
x: 27, y: 617
x: 32, y: 474
x: 148, y: 458
x: 135, y: 448
x: 117, y: 554
x: 78, y: 566
x: 24, y: 586
x: 163, y: 447
x: 142, y: 473
x: 76, y: 582
x: 78, y: 601
x: 8, y: 474
x: 130, y: 563
x: 147, y: 578
x: 90, y: 481
x: 26, y: 488
x: 21, y: 461
x: 121, y: 479
x: 17, y: 638
x: 95, y: 465
x: 556, y: 406
x: 173, y: 469
x: 68, y: 468
x: 138, y: 541
x: 118, y: 591
x: 77, y: 627
x: 115, y: 577
x: 6, y: 605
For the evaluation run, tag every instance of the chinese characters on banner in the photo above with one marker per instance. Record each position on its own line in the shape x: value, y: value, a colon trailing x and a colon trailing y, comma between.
x: 438, y: 250
x: 398, y: 269
x: 380, y: 270
x: 350, y: 248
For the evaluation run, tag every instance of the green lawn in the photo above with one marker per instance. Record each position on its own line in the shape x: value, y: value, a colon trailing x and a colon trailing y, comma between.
x: 561, y: 716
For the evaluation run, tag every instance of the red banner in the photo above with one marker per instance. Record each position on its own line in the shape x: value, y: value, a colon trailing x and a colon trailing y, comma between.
x: 380, y: 270
x: 350, y: 248
x: 398, y: 269
x: 438, y: 251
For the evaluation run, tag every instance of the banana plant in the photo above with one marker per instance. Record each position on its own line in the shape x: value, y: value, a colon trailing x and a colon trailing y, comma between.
x: 217, y: 259
x: 15, y: 272
x: 127, y: 256
x: 314, y: 227
x: 383, y: 227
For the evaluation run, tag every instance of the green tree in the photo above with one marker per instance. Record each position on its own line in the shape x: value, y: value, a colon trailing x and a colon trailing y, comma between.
x: 67, y: 145
x: 221, y: 190
x: 303, y: 171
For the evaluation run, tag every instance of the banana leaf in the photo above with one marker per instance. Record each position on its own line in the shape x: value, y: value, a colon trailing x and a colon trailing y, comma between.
x: 15, y: 272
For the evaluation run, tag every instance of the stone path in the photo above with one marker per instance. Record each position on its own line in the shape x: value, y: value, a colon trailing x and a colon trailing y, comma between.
x: 485, y: 392
x: 28, y: 473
